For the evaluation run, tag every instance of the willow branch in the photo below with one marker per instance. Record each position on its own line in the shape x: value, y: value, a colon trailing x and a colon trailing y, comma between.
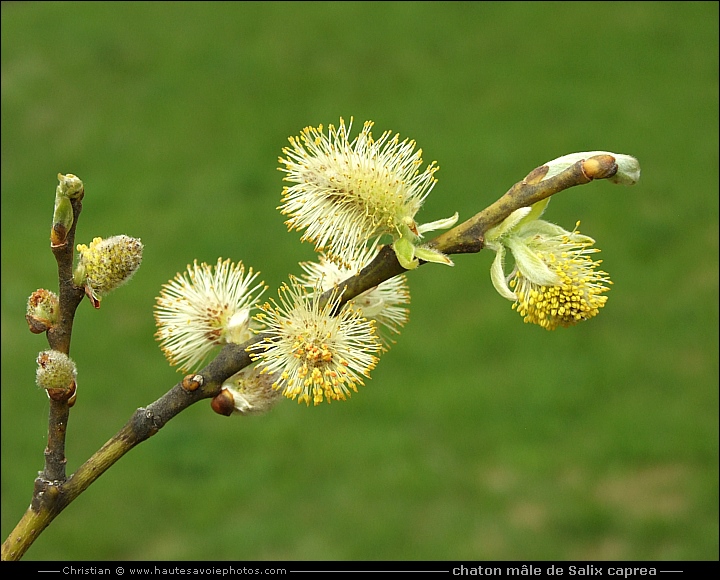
x: 59, y: 337
x: 52, y: 497
x: 467, y: 237
x: 47, y: 494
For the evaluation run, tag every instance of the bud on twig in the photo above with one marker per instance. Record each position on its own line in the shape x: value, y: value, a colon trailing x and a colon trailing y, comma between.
x: 252, y: 392
x: 42, y: 310
x: 192, y: 382
x: 57, y: 374
x: 69, y: 188
x: 627, y: 173
x: 223, y: 403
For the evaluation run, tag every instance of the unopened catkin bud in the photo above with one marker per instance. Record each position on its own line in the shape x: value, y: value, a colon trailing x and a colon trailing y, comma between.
x: 106, y: 264
x: 56, y: 373
x: 42, y: 311
x: 627, y: 172
x: 223, y: 403
x: 69, y: 188
x: 251, y: 392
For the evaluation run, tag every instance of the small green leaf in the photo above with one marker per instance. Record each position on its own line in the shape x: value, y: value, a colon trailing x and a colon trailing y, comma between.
x: 405, y: 252
x: 497, y: 275
x: 507, y: 225
x: 441, y: 224
x: 62, y: 221
x: 430, y: 255
x: 532, y: 267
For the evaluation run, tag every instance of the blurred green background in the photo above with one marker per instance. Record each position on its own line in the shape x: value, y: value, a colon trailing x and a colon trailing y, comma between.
x: 478, y: 437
